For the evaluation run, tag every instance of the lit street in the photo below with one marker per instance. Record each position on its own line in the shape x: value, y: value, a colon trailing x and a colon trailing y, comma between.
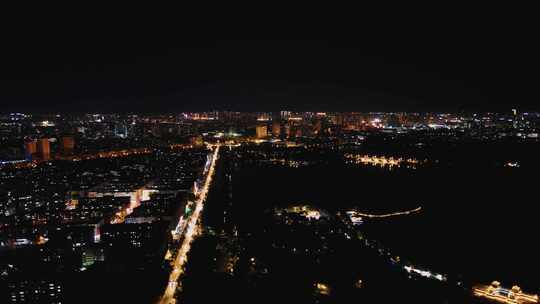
x: 191, y: 230
x: 397, y: 163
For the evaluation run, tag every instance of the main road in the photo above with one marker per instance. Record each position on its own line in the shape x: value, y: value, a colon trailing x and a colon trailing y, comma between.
x: 191, y: 230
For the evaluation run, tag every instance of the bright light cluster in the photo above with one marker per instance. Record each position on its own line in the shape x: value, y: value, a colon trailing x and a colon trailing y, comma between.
x: 503, y: 295
x: 425, y: 273
x: 381, y: 161
x: 512, y: 165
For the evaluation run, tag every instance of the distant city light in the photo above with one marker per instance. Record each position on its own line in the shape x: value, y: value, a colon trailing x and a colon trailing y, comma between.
x: 502, y: 295
x: 512, y: 164
x: 425, y: 273
x: 382, y: 161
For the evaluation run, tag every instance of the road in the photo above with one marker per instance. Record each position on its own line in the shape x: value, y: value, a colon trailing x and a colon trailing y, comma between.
x: 413, y: 211
x: 191, y: 230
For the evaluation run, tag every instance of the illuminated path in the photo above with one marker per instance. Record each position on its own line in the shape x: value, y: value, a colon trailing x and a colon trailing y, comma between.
x: 390, y: 214
x: 191, y: 230
x: 499, y: 294
x: 381, y: 161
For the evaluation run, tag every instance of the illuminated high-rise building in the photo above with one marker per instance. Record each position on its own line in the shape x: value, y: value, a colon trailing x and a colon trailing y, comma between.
x: 68, y: 144
x: 276, y: 129
x: 44, y: 149
x: 120, y: 130
x: 263, y: 117
x: 285, y: 115
x: 287, y: 130
x: 515, y: 118
x: 261, y: 131
x: 30, y: 148
x: 317, y: 126
x: 338, y: 119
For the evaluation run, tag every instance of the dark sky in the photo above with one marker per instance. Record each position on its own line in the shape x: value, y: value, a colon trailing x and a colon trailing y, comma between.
x: 453, y: 65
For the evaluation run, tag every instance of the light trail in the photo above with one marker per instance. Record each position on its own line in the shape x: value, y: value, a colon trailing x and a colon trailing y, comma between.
x: 416, y: 210
x: 135, y: 202
x: 191, y: 230
x: 425, y: 273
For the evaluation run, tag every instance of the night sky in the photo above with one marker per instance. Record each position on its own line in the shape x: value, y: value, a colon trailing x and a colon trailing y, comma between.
x: 487, y: 65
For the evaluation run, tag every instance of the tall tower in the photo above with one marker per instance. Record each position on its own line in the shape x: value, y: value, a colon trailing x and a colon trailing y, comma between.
x: 276, y: 128
x: 30, y: 148
x: 44, y: 149
x: 261, y: 131
x: 68, y: 144
x: 287, y: 130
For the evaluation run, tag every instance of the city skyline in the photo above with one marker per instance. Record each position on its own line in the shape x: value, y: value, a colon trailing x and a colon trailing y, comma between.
x: 335, y: 204
x: 392, y: 160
